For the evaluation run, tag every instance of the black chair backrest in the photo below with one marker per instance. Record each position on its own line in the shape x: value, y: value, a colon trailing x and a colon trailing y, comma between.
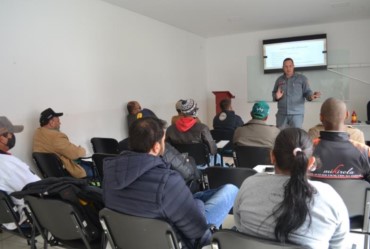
x: 218, y: 176
x: 9, y: 214
x: 355, y: 201
x: 62, y: 221
x: 126, y: 231
x: 123, y: 145
x: 219, y: 135
x: 49, y: 164
x: 368, y: 111
x: 98, y: 159
x: 198, y: 151
x: 251, y: 156
x: 226, y: 239
x: 104, y: 145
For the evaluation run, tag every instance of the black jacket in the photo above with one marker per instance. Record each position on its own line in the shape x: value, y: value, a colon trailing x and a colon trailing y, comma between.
x: 144, y: 185
x: 227, y: 120
x: 339, y: 157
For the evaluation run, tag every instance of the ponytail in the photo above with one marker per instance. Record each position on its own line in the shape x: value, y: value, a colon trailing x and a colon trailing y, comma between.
x: 292, y: 151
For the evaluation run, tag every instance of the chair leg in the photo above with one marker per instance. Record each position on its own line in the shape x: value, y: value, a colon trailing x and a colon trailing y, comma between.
x: 366, y: 241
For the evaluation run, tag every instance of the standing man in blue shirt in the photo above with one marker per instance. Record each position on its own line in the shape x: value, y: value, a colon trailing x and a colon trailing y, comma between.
x: 290, y: 91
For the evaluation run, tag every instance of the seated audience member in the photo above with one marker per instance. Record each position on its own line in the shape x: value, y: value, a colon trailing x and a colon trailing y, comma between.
x: 178, y: 109
x: 48, y: 138
x: 187, y: 130
x: 179, y: 114
x: 185, y: 166
x: 257, y: 132
x: 141, y: 183
x: 135, y: 112
x: 14, y: 174
x: 226, y: 119
x: 354, y: 133
x: 337, y: 156
x: 287, y: 206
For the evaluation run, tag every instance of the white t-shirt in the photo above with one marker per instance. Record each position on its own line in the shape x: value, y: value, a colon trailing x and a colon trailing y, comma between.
x: 14, y: 175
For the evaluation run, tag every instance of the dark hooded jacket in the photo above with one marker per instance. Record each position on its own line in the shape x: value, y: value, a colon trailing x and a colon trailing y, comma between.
x: 227, y: 120
x: 185, y: 166
x: 143, y: 185
x: 187, y: 131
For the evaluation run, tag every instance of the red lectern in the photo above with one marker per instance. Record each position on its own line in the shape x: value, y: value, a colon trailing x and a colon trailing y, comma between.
x: 220, y: 95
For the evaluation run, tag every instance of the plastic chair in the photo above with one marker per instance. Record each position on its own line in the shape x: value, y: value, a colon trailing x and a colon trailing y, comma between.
x: 49, y: 164
x: 9, y: 214
x: 198, y: 151
x: 126, y: 231
x: 226, y: 239
x: 98, y: 159
x: 104, y: 145
x: 251, y: 156
x: 356, y: 196
x: 63, y: 221
x: 215, y: 177
x: 219, y: 135
x: 218, y: 176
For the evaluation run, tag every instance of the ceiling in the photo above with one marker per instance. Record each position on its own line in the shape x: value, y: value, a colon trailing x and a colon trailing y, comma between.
x: 209, y: 18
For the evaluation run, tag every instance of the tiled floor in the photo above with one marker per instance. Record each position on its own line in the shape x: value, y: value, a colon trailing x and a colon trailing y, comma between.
x: 9, y: 241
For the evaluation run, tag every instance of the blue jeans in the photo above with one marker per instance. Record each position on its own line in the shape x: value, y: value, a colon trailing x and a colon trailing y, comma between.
x: 217, y: 202
x: 212, y: 162
x: 285, y: 121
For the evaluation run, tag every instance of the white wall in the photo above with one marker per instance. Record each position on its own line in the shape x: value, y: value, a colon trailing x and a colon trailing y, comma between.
x: 227, y: 64
x: 88, y: 58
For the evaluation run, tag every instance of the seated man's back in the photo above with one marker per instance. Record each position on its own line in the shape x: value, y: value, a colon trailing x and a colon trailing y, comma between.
x: 135, y: 112
x: 339, y: 157
x: 226, y: 119
x: 256, y: 132
x: 187, y: 130
x: 336, y: 155
x: 354, y: 133
x: 48, y: 138
x: 140, y: 183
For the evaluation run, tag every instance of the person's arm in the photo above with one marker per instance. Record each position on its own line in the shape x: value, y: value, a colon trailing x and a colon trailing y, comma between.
x: 236, y: 211
x: 314, y: 96
x: 65, y: 148
x: 277, y: 92
x: 239, y: 121
x: 19, y: 176
x: 314, y: 132
x: 208, y: 139
x: 178, y: 162
x: 307, y: 92
x: 340, y: 237
x: 181, y: 209
x: 356, y: 135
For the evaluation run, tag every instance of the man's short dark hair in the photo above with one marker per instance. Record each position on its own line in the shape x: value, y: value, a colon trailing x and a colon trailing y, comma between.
x: 131, y: 106
x: 225, y: 104
x: 145, y: 132
x: 288, y: 59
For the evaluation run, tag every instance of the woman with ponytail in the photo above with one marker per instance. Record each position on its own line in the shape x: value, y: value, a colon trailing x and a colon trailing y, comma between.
x: 288, y: 207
